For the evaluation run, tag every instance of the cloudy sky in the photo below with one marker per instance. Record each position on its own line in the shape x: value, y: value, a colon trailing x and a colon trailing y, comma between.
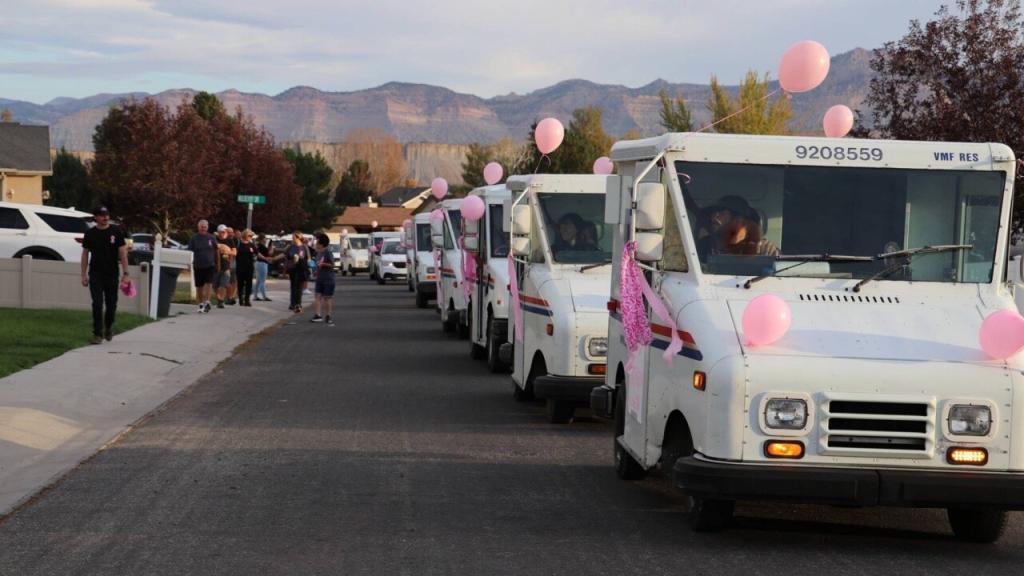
x: 77, y: 48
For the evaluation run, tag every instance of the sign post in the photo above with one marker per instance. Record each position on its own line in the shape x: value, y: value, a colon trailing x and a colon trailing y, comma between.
x: 251, y: 200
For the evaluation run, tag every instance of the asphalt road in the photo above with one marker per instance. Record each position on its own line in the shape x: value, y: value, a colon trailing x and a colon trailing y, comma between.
x: 378, y: 447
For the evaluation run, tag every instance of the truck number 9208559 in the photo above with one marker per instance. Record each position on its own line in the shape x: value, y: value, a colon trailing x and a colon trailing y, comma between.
x: 839, y: 153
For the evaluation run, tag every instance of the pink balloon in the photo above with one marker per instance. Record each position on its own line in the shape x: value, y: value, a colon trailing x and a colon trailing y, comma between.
x: 436, y: 215
x: 603, y: 166
x: 373, y: 224
x: 493, y: 173
x: 548, y: 135
x: 804, y: 66
x: 473, y: 208
x: 406, y: 223
x: 1002, y: 334
x: 439, y: 187
x: 838, y: 121
x: 766, y: 319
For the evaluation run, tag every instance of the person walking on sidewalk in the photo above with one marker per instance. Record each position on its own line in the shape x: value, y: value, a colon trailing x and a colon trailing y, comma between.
x: 234, y: 240
x: 245, y: 266
x: 262, y: 267
x: 204, y: 263
x: 295, y: 257
x: 225, y: 256
x: 103, y: 248
x: 324, y: 287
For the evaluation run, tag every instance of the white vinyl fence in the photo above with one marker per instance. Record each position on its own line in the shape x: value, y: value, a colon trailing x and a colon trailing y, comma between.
x: 29, y: 283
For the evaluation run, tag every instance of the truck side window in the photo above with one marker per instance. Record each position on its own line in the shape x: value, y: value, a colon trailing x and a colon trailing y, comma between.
x: 674, y: 252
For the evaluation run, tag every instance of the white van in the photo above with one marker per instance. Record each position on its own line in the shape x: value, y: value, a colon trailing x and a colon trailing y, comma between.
x: 420, y: 260
x: 355, y: 254
x: 42, y: 232
x: 487, y: 241
x: 889, y: 255
x: 389, y: 261
x: 376, y: 241
x: 451, y: 301
x: 563, y: 252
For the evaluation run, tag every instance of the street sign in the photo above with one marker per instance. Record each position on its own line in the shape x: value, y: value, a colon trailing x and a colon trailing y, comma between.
x: 252, y: 199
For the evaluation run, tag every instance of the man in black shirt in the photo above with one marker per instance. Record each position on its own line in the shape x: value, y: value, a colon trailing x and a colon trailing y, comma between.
x: 102, y: 248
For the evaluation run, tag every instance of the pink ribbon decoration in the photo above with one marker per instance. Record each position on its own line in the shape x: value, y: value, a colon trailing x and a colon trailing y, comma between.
x: 440, y: 278
x: 633, y: 289
x: 513, y: 287
x: 468, y: 269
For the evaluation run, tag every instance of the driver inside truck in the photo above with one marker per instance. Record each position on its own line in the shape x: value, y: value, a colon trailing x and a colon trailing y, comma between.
x: 732, y: 227
x: 567, y: 230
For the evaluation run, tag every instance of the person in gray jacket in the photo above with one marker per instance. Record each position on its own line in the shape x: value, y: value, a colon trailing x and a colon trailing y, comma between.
x: 204, y: 263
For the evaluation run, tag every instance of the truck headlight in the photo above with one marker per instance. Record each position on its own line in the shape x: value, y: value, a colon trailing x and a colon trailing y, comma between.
x: 969, y: 420
x: 785, y: 414
x: 597, y: 347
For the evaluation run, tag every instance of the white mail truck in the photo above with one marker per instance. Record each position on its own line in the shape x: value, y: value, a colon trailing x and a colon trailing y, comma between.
x: 447, y: 238
x: 421, y: 265
x: 885, y: 256
x: 487, y: 243
x: 563, y: 251
x: 355, y: 254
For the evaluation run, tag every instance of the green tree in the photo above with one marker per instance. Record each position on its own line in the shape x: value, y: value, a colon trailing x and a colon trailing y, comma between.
x: 69, y: 184
x: 585, y: 141
x: 675, y: 116
x: 752, y: 112
x: 478, y: 156
x: 313, y: 175
x: 208, y: 106
x: 356, y: 184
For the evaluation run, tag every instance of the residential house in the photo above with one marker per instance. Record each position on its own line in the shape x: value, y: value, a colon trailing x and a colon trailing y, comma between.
x: 404, y: 196
x: 360, y: 219
x: 24, y: 160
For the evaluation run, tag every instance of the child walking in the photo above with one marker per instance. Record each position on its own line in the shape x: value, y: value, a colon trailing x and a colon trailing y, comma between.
x: 324, y: 289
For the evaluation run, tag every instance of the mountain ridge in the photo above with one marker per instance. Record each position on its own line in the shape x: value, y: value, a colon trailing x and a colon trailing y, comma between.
x: 417, y: 112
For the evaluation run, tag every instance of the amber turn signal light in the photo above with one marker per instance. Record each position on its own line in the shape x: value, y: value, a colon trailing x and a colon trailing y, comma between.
x: 700, y: 380
x: 784, y: 449
x: 967, y: 456
x: 550, y: 329
x: 597, y: 369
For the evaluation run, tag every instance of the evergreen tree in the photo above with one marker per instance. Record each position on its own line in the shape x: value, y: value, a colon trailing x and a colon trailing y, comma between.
x: 751, y: 112
x: 208, y: 106
x: 69, y: 184
x: 675, y: 116
x: 356, y: 185
x: 313, y: 175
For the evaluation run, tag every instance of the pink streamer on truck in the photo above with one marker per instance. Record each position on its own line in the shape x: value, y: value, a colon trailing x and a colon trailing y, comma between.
x: 468, y: 269
x: 633, y: 289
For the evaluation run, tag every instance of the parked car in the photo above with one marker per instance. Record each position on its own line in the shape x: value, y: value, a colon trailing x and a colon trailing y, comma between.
x: 43, y: 232
x: 144, y: 242
x: 389, y: 262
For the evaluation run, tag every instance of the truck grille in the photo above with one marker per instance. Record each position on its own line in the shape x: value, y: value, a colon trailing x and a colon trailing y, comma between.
x: 872, y: 427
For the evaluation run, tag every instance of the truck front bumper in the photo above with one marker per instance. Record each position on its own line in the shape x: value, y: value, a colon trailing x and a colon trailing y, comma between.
x: 427, y: 287
x: 849, y: 486
x: 575, y: 389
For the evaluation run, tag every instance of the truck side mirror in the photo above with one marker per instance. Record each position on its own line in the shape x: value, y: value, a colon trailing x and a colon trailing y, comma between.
x: 471, y: 243
x: 650, y: 206
x: 521, y: 220
x: 436, y: 227
x: 521, y: 246
x: 437, y: 240
x: 649, y: 246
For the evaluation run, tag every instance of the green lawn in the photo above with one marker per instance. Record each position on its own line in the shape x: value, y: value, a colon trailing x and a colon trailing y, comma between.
x: 182, y: 294
x: 33, y: 336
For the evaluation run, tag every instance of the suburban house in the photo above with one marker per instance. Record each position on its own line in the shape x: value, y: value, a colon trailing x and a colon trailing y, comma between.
x: 24, y: 160
x: 404, y: 196
x: 360, y: 219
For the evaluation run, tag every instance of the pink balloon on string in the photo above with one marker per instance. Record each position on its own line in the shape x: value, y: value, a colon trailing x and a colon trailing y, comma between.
x: 473, y: 208
x: 804, y: 67
x: 373, y: 224
x: 1002, y: 334
x: 439, y: 187
x: 838, y: 121
x: 406, y: 223
x: 493, y: 173
x: 436, y: 215
x: 549, y: 135
x: 766, y: 319
x: 603, y: 166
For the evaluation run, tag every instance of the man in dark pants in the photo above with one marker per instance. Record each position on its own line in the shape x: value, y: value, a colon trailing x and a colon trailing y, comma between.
x: 102, y: 248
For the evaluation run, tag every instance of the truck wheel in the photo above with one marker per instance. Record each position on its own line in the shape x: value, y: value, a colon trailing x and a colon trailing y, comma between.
x: 421, y: 300
x: 449, y: 325
x: 381, y: 280
x: 710, y: 515
x: 494, y: 343
x: 462, y: 330
x: 626, y: 467
x: 559, y: 411
x: 979, y: 526
x: 476, y: 351
x: 411, y: 289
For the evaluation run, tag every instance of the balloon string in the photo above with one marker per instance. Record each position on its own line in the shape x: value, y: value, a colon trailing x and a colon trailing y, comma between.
x: 543, y: 157
x: 741, y: 111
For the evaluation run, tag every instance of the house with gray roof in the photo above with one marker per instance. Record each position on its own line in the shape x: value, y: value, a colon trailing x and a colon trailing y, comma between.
x: 24, y: 160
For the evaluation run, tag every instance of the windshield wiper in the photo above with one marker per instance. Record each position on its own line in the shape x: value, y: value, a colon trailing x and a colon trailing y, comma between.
x: 597, y: 265
x: 909, y: 253
x: 802, y: 259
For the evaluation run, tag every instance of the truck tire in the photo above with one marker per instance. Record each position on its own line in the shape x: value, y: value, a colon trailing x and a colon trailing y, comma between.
x: 494, y: 342
x: 381, y: 280
x: 476, y: 351
x: 626, y: 467
x: 411, y: 289
x: 559, y: 411
x: 710, y: 515
x: 462, y: 330
x: 448, y: 326
x: 978, y: 526
x: 421, y: 300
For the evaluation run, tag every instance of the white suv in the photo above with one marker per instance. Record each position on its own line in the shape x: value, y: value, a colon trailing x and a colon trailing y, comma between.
x: 44, y: 232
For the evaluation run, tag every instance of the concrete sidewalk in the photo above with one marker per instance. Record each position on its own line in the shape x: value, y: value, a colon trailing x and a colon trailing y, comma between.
x: 55, y: 415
